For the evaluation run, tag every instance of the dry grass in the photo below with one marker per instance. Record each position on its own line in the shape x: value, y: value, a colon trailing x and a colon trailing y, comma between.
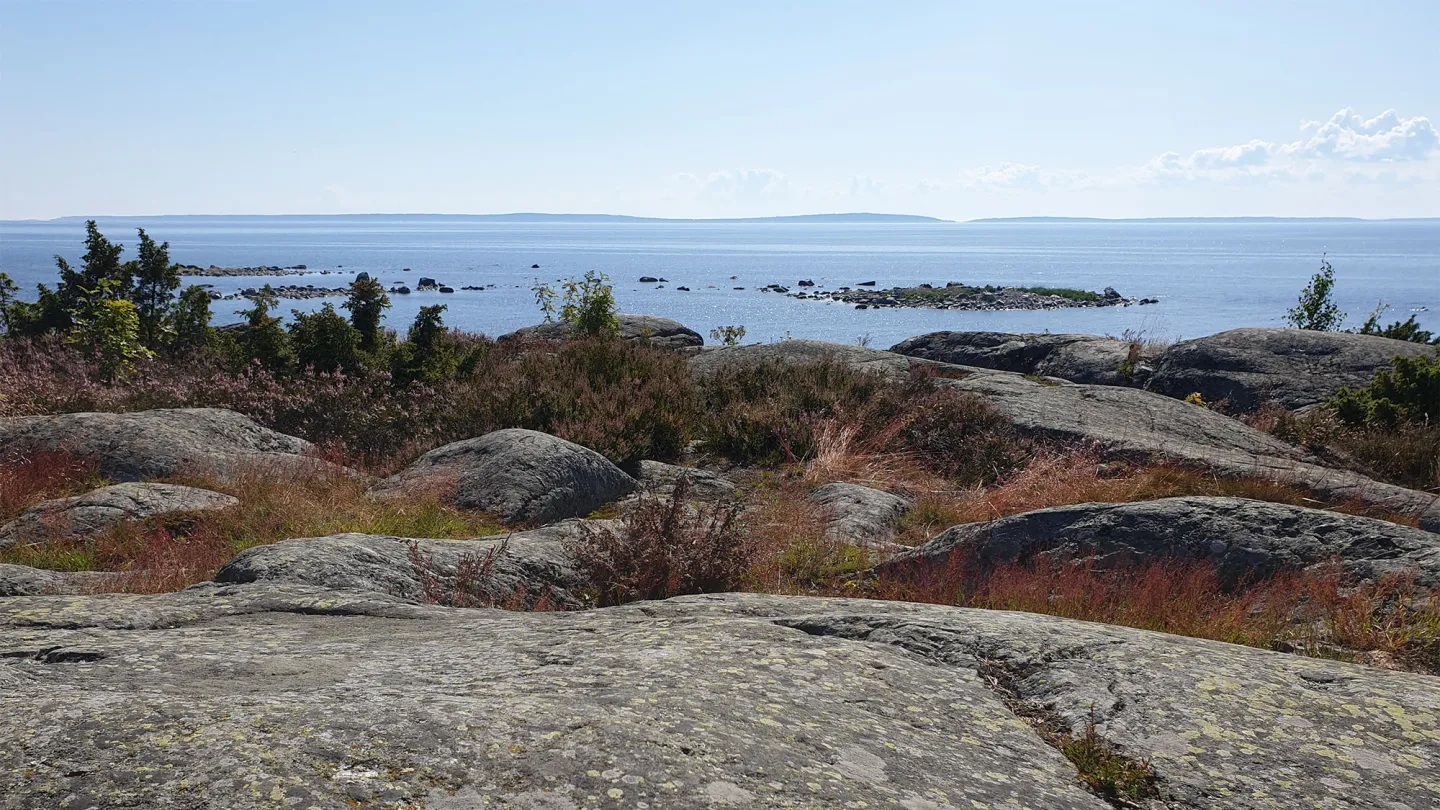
x: 277, y: 503
x: 44, y: 475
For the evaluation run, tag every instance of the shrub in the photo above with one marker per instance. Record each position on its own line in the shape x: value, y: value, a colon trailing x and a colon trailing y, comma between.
x: 366, y: 304
x: 109, y: 328
x: 192, y: 320
x: 156, y: 281
x: 588, y: 304
x: 1316, y: 309
x: 728, y: 335
x: 325, y: 341
x: 264, y: 339
x: 668, y: 548
x: 1409, y: 391
x: 962, y: 436
x: 1408, y: 330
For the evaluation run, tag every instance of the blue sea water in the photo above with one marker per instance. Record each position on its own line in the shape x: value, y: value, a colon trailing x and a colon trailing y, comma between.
x: 1209, y: 276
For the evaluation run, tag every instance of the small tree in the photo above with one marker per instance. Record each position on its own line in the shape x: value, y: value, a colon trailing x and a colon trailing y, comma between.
x: 8, y: 293
x: 101, y: 262
x: 265, y: 340
x: 728, y: 335
x: 367, y: 304
x: 110, y: 329
x: 423, y: 356
x: 588, y: 304
x: 156, y: 281
x: 1316, y: 310
x: 192, y: 319
x: 325, y: 341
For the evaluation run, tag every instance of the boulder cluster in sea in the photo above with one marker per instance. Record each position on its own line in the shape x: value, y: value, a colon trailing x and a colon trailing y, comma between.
x: 959, y: 296
x: 267, y: 270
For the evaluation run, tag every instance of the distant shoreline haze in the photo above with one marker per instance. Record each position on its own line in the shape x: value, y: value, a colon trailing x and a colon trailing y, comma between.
x: 859, y: 218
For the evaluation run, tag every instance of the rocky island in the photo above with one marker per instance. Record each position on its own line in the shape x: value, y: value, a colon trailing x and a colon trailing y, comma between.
x: 955, y: 295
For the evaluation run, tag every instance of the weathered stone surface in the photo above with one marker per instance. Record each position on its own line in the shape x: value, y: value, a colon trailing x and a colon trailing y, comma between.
x: 517, y: 475
x: 1244, y: 538
x: 532, y: 563
x: 661, y: 478
x: 1078, y: 358
x: 859, y: 515
x: 22, y: 580
x: 155, y: 444
x: 251, y: 695
x: 657, y: 330
x: 89, y: 513
x: 1122, y: 421
x: 1294, y: 367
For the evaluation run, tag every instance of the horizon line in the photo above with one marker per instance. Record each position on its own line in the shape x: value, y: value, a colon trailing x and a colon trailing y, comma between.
x: 860, y: 217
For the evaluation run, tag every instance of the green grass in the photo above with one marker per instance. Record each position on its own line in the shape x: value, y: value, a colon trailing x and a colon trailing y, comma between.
x: 1063, y: 292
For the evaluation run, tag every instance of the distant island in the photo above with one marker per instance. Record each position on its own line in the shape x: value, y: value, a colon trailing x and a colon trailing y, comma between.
x: 851, y: 218
x: 1061, y: 220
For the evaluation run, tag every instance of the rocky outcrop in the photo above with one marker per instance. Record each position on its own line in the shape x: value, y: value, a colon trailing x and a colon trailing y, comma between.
x: 858, y: 515
x: 1292, y: 367
x: 521, y: 566
x: 155, y: 444
x: 229, y: 696
x: 64, y: 518
x: 1121, y: 421
x: 1078, y: 358
x: 661, y: 479
x: 520, y: 476
x: 22, y: 580
x: 656, y: 330
x: 1245, y: 539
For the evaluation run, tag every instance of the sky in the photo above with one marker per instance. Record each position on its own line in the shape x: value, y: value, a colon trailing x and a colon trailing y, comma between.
x: 950, y: 109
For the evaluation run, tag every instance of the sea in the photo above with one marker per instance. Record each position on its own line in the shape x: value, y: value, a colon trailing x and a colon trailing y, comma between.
x: 1209, y: 275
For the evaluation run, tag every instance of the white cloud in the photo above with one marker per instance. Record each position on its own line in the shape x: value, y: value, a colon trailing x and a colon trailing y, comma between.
x: 743, y: 183
x: 1019, y: 176
x: 1385, y: 138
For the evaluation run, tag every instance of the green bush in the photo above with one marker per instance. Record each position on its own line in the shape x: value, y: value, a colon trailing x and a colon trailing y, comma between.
x: 1316, y: 311
x: 325, y: 341
x: 587, y: 303
x: 1409, y: 391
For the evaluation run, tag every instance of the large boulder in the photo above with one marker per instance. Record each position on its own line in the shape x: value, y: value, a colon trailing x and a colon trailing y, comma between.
x: 1245, y: 539
x: 652, y: 328
x: 82, y: 515
x: 297, y: 696
x: 521, y: 566
x: 520, y: 476
x: 1126, y: 422
x: 859, y: 515
x: 1292, y: 367
x: 1079, y: 358
x: 155, y: 444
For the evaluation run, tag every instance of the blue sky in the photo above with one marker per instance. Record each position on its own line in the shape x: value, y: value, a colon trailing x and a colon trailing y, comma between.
x: 950, y: 109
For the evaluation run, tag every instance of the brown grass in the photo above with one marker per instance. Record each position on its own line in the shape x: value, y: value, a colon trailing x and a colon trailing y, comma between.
x: 44, y: 475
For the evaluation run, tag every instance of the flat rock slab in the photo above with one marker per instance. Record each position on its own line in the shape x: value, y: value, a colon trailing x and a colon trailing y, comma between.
x: 520, y: 476
x: 656, y: 330
x: 1292, y: 367
x: 1122, y: 421
x: 859, y: 515
x: 22, y: 580
x: 245, y: 696
x: 661, y: 479
x: 155, y: 444
x: 521, y: 566
x: 83, y: 515
x: 1092, y: 359
x: 1244, y: 538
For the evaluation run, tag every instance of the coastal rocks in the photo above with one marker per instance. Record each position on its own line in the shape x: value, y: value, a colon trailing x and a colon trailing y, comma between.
x: 426, y: 283
x: 220, y: 272
x: 22, y: 580
x: 294, y: 292
x: 1293, y: 367
x: 520, y: 476
x: 520, y: 566
x: 661, y: 479
x: 333, y: 698
x: 962, y: 297
x: 87, y: 514
x: 659, y: 331
x: 1079, y: 358
x: 858, y: 515
x: 155, y: 444
x: 1245, y: 539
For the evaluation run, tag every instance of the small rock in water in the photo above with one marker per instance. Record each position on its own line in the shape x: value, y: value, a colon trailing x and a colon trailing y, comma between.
x: 866, y: 284
x: 648, y: 279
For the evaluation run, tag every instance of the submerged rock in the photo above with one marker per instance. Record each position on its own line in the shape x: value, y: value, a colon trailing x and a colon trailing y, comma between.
x: 520, y: 476
x: 1292, y: 367
x: 329, y: 698
x: 155, y: 444
x: 1245, y: 539
x: 82, y: 515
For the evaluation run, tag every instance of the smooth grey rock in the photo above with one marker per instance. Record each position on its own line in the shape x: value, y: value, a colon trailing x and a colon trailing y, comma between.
x: 87, y: 514
x: 156, y: 444
x: 532, y: 563
x: 1430, y: 521
x: 1245, y: 539
x: 1126, y: 422
x: 323, y: 698
x: 657, y: 330
x: 1090, y: 359
x: 859, y: 515
x: 517, y: 475
x: 1293, y: 367
x: 661, y: 478
x: 22, y: 580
